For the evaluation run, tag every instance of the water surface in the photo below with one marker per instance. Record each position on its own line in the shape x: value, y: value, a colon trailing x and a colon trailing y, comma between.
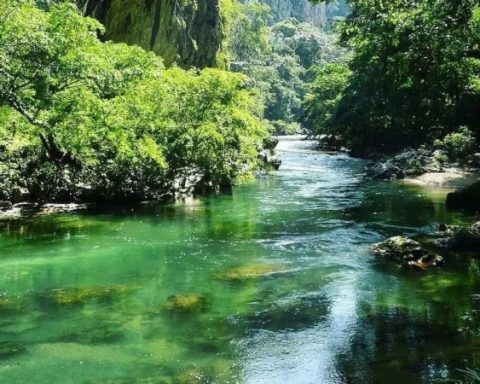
x: 85, y: 298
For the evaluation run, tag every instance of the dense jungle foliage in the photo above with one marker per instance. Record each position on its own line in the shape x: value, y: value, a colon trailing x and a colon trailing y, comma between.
x: 81, y: 119
x: 279, y: 57
x: 414, y: 77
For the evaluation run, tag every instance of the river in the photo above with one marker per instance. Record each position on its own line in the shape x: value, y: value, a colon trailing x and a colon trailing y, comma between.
x: 278, y: 274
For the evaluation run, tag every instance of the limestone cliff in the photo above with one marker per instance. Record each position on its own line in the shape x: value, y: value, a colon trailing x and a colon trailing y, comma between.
x: 303, y: 10
x: 188, y: 32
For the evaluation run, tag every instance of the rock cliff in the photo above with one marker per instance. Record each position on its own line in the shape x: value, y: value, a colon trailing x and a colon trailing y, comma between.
x: 186, y: 32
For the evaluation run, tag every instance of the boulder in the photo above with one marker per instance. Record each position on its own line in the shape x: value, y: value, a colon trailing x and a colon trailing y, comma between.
x: 270, y: 158
x: 251, y: 271
x: 5, y: 205
x: 186, y: 303
x: 385, y: 171
x: 465, y: 238
x: 21, y: 195
x: 406, y: 252
x: 467, y: 198
x: 409, y: 163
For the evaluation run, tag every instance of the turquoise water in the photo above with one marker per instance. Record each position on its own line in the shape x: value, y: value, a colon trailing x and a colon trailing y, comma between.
x: 271, y: 284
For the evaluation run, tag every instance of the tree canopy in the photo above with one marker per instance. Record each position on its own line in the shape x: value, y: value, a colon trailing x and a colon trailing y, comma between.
x: 415, y: 71
x: 108, y: 120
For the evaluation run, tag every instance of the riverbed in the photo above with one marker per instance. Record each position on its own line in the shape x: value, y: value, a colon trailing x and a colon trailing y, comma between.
x: 282, y: 286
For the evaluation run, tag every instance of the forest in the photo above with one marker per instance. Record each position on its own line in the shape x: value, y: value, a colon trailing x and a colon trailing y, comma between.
x: 239, y: 191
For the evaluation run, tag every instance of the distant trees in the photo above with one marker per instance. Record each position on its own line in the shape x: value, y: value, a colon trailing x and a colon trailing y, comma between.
x: 277, y: 59
x: 414, y: 74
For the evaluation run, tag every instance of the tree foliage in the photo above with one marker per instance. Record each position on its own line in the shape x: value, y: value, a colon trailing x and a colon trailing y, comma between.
x: 107, y: 120
x: 277, y: 59
x: 414, y: 73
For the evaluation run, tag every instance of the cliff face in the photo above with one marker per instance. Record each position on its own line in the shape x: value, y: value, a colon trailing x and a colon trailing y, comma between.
x: 300, y: 9
x: 188, y: 32
x: 303, y: 10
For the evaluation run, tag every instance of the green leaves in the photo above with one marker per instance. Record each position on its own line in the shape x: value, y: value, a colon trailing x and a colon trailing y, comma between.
x: 110, y: 115
x: 414, y: 76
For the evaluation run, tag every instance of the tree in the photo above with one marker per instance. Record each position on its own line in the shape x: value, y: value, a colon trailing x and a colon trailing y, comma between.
x: 107, y: 121
x: 412, y: 73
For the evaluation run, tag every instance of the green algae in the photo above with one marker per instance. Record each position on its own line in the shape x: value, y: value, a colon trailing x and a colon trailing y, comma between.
x: 77, y: 296
x: 186, y: 303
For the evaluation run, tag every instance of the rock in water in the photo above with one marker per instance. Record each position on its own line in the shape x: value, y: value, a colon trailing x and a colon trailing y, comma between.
x: 407, y: 252
x: 186, y: 303
x: 465, y: 238
x: 9, y: 349
x: 270, y: 159
x: 467, y: 198
x: 251, y: 272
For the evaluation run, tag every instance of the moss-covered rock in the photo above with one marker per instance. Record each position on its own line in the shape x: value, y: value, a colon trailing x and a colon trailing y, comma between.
x: 464, y: 238
x: 65, y: 297
x: 406, y: 252
x: 10, y: 304
x: 94, y: 332
x: 186, y: 32
x: 467, y: 198
x: 251, y: 271
x: 186, y: 303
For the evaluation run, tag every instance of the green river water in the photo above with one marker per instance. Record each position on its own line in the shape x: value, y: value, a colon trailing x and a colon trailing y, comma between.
x: 85, y: 298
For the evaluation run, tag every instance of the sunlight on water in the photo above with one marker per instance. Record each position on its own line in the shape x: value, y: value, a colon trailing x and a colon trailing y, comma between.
x: 272, y: 284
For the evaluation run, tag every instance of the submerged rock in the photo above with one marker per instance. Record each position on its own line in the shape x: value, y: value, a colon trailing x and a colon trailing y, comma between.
x: 291, y: 314
x: 464, y: 238
x: 407, y: 252
x: 186, y: 303
x: 97, y: 332
x: 192, y: 375
x: 9, y: 349
x: 467, y: 198
x: 253, y: 271
x: 10, y: 304
x: 65, y: 297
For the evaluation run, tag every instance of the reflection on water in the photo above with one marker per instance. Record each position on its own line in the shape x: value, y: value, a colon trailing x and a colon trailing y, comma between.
x: 271, y: 284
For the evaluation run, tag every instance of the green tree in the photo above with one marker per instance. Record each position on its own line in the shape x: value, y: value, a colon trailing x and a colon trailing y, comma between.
x: 107, y: 121
x: 413, y: 73
x: 322, y: 100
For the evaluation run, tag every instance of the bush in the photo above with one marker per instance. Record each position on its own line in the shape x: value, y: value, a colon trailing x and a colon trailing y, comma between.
x: 458, y: 145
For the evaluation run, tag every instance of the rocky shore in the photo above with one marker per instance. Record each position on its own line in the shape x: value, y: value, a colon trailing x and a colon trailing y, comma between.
x: 424, y: 252
x: 30, y: 185
x: 413, y: 163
